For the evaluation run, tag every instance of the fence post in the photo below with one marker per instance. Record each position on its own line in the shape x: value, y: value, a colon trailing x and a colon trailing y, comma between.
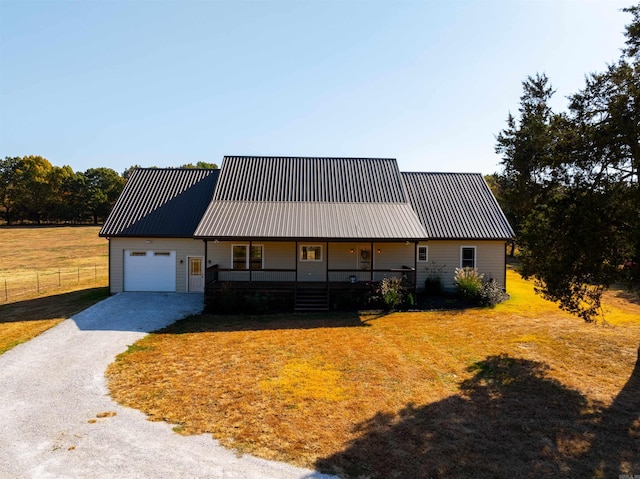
x: 38, y: 280
x: 59, y: 284
x: 6, y: 290
x: 78, y: 274
x: 95, y: 271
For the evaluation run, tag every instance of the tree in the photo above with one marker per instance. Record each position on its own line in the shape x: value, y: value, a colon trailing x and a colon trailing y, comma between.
x: 526, y: 149
x: 32, y: 193
x: 581, y: 232
x: 8, y: 184
x: 104, y: 185
x: 201, y: 164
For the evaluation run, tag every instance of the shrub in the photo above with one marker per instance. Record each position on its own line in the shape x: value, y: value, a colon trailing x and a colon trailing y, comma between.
x: 492, y: 293
x: 468, y: 284
x: 391, y: 292
x: 433, y: 280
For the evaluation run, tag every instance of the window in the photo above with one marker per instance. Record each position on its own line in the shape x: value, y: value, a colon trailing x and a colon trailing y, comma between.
x: 256, y: 256
x: 423, y: 253
x: 138, y: 253
x: 239, y: 256
x: 240, y: 259
x: 161, y: 253
x: 468, y: 257
x: 311, y: 253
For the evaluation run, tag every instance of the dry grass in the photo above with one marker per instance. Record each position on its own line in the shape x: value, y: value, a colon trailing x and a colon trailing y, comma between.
x: 521, y: 390
x: 25, y: 250
x: 24, y: 320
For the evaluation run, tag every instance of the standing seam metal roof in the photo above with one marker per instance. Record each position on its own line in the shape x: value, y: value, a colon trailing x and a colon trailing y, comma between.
x: 161, y: 202
x: 303, y: 197
x: 332, y: 180
x: 456, y: 206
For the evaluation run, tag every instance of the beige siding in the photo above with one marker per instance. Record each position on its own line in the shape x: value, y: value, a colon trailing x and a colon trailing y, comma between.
x: 276, y: 255
x: 183, y: 247
x: 445, y: 255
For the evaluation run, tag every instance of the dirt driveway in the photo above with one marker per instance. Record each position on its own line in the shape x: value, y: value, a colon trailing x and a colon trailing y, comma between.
x: 53, y: 394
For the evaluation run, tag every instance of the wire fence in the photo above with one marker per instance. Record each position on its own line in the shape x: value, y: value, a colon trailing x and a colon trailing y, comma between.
x: 29, y: 283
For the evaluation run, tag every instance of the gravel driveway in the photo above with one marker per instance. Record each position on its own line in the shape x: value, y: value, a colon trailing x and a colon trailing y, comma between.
x: 52, y: 389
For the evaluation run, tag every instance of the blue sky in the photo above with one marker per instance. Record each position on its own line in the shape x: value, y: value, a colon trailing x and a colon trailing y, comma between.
x: 116, y: 83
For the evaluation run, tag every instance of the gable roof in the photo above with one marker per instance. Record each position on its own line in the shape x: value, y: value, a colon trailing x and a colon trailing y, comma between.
x: 456, y: 206
x: 161, y: 202
x: 313, y: 198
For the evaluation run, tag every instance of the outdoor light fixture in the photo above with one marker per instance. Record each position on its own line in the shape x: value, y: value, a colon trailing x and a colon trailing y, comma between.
x: 379, y: 251
x: 351, y: 251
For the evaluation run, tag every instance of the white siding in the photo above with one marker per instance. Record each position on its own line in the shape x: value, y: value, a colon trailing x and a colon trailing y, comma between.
x: 182, y: 246
x: 490, y: 260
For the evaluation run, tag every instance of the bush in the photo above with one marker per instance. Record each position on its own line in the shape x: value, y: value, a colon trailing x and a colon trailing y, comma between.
x: 433, y: 281
x: 473, y: 290
x: 433, y: 286
x: 391, y: 292
x: 468, y: 284
x: 492, y: 293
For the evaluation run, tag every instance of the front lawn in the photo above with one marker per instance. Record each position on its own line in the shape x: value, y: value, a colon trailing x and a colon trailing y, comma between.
x: 520, y: 390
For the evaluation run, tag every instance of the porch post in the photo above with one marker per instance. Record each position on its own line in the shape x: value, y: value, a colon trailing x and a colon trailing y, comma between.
x: 206, y: 256
x: 250, y: 262
x: 415, y: 267
x: 326, y: 272
x: 371, y: 262
x: 295, y: 257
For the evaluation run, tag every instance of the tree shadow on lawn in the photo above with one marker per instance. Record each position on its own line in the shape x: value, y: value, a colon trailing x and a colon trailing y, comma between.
x: 206, y: 323
x: 509, y: 421
x: 62, y: 305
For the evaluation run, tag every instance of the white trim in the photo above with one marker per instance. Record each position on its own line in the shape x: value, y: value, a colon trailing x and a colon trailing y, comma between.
x: 315, y: 260
x: 475, y: 255
x: 426, y: 250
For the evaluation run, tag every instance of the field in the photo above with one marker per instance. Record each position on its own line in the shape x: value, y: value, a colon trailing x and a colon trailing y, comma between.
x: 520, y: 390
x: 47, y: 274
x: 39, y: 259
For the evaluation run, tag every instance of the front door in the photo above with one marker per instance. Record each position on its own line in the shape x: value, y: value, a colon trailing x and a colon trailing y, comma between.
x: 364, y: 258
x: 196, y: 274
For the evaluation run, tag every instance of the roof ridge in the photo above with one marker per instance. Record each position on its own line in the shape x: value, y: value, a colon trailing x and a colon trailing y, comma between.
x: 311, y: 157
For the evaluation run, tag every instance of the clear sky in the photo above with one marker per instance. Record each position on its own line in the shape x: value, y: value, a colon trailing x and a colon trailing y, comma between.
x: 163, y: 83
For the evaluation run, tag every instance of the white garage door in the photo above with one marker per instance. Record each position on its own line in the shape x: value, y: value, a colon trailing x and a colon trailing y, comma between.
x: 149, y: 270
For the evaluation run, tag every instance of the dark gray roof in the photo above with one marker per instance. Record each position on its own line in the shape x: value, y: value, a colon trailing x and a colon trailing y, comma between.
x: 456, y: 206
x: 332, y: 180
x: 161, y: 202
x: 293, y: 197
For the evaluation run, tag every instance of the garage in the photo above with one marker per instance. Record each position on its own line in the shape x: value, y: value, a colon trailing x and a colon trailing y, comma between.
x: 149, y: 270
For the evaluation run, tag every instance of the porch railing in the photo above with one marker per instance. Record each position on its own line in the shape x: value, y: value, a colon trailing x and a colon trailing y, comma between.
x: 217, y: 274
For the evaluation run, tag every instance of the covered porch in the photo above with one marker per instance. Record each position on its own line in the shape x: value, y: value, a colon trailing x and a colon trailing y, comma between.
x: 305, y: 275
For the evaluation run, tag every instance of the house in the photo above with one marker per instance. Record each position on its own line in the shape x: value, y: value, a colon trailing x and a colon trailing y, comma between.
x: 306, y: 229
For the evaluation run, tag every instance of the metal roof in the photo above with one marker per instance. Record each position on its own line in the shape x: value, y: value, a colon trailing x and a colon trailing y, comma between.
x: 290, y: 220
x: 456, y: 206
x: 340, y: 180
x: 161, y: 202
x: 296, y: 197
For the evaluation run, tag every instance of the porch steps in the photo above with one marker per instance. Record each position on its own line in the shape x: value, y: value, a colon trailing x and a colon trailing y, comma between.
x: 312, y: 300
